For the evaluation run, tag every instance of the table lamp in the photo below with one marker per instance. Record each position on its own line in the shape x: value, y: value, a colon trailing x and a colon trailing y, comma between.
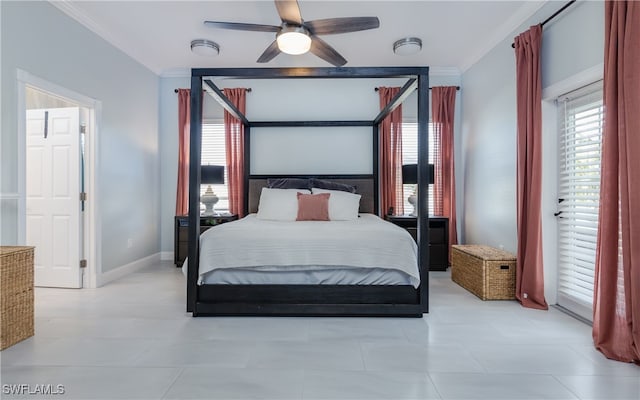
x: 210, y: 174
x: 410, y: 177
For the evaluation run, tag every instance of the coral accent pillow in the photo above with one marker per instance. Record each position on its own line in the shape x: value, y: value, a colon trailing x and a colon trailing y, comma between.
x: 313, y: 207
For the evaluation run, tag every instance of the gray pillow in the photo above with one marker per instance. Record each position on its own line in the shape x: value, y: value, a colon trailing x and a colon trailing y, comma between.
x: 331, y: 185
x: 288, y: 183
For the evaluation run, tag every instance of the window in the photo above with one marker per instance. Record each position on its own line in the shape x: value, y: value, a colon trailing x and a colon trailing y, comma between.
x: 214, y: 153
x: 580, y: 134
x: 410, y: 156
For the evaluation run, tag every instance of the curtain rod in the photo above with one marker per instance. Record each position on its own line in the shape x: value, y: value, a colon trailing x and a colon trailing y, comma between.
x: 176, y: 90
x: 555, y: 14
x: 457, y: 88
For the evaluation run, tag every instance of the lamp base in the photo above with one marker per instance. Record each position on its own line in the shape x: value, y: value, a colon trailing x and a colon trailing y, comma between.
x: 209, y: 199
x: 412, y: 199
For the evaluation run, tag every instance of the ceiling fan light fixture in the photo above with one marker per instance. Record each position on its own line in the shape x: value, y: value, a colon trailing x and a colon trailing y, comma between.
x: 204, y: 47
x: 294, y: 40
x: 407, y: 46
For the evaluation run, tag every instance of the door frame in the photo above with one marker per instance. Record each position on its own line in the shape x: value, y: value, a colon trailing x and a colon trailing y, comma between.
x: 91, y: 238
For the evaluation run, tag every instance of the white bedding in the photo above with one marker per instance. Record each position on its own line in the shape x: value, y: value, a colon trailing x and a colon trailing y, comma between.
x: 365, y: 243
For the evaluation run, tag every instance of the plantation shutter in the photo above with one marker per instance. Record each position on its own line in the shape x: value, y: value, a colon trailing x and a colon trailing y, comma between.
x: 581, y: 116
x: 214, y: 153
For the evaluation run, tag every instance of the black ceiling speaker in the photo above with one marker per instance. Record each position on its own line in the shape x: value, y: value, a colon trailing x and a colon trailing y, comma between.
x: 297, y: 36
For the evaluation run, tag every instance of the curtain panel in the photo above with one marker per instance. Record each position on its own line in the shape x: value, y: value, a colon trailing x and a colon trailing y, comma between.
x: 529, y: 267
x: 616, y: 314
x: 234, y: 139
x: 443, y: 105
x: 184, y: 128
x: 391, y: 155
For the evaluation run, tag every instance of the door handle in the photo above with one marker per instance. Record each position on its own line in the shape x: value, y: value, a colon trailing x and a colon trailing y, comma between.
x: 46, y: 123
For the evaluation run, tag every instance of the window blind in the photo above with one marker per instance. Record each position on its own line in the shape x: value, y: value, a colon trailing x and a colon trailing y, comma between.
x: 581, y: 117
x: 410, y: 156
x: 214, y: 153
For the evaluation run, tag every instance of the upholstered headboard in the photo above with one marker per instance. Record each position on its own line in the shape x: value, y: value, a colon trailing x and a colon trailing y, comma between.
x: 364, y: 187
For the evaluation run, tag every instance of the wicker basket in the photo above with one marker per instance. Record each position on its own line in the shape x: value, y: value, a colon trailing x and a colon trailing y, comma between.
x: 484, y: 271
x: 16, y: 294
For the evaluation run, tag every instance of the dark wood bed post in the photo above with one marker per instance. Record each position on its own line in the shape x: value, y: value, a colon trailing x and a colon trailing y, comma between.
x: 376, y: 171
x: 194, y: 193
x: 423, y: 190
x: 247, y: 166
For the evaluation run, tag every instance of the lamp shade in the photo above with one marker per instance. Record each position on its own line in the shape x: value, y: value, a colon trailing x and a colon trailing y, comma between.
x: 410, y: 174
x: 432, y: 178
x: 211, y: 174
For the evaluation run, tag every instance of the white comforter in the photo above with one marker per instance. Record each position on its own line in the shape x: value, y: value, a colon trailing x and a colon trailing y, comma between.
x: 367, y: 242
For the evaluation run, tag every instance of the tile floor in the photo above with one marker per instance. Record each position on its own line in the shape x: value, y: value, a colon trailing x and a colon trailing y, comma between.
x: 133, y: 340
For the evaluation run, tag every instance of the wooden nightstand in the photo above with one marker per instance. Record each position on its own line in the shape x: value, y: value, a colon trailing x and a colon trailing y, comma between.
x: 438, y: 238
x: 181, y: 233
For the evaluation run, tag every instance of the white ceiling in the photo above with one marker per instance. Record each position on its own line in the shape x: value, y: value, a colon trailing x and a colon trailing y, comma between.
x: 455, y: 34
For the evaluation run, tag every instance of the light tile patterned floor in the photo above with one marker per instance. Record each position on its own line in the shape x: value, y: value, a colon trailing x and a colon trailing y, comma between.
x: 133, y: 340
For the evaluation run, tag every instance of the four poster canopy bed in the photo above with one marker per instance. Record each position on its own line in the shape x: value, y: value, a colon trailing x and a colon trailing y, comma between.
x: 350, y: 263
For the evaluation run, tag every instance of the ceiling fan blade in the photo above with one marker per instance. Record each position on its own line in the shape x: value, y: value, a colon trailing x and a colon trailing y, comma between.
x: 342, y: 25
x: 289, y: 11
x: 269, y: 53
x: 321, y: 49
x: 239, y: 26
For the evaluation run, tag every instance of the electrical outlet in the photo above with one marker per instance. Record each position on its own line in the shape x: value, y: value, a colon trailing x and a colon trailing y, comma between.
x: 129, y: 243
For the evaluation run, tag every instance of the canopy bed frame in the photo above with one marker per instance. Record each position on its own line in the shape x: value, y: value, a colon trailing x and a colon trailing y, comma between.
x: 309, y: 300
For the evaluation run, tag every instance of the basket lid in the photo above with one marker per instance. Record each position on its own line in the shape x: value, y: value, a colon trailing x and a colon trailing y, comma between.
x: 13, y: 249
x: 485, y: 252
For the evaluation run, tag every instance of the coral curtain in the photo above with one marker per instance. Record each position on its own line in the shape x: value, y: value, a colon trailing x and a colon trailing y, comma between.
x: 234, y: 138
x: 184, y: 129
x: 391, y: 155
x: 616, y: 316
x: 443, y: 105
x: 529, y: 267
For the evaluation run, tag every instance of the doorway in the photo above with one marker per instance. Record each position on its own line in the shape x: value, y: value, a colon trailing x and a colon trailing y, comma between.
x: 58, y: 187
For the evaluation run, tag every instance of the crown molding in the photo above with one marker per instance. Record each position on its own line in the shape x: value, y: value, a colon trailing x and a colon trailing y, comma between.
x: 67, y: 7
x: 528, y: 9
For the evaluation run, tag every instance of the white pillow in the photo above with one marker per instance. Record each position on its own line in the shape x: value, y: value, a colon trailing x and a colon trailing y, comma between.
x: 279, y: 204
x: 343, y: 206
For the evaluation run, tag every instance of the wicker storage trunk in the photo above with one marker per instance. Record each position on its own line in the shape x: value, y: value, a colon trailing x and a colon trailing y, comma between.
x: 16, y: 294
x: 484, y: 271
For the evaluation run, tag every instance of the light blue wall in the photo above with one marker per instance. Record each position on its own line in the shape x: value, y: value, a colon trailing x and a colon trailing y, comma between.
x: 43, y: 41
x: 168, y: 136
x: 572, y: 43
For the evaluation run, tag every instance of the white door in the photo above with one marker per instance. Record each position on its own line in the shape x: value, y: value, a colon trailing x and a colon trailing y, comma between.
x: 580, y: 141
x: 52, y: 191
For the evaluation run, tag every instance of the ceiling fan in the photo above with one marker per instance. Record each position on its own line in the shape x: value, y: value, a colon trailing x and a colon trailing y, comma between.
x: 297, y: 36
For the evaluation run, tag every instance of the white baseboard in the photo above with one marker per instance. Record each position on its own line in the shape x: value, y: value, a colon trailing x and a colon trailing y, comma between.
x: 166, y: 256
x: 127, y: 269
